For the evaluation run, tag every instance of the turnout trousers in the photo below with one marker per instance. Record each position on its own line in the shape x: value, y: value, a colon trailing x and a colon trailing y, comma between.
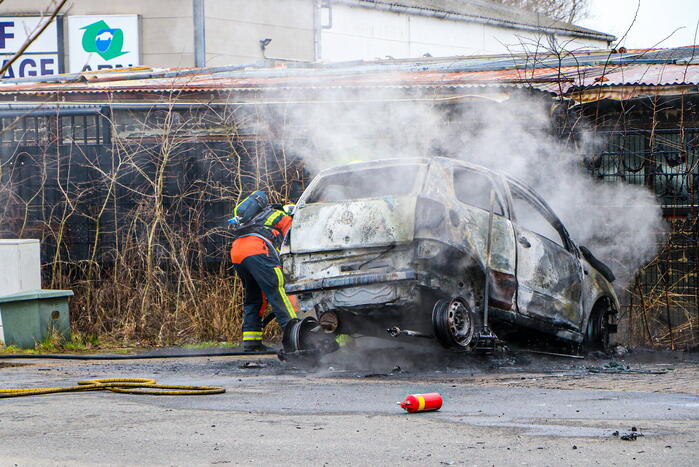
x: 263, y: 282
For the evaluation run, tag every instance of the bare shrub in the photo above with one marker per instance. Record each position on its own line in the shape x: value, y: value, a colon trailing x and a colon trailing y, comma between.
x: 131, y: 210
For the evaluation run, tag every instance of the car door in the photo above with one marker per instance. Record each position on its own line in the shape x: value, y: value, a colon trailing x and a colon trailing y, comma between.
x: 472, y: 189
x: 549, y: 274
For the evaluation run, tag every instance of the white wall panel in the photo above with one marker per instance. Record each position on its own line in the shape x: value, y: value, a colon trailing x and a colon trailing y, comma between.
x: 366, y: 22
x: 20, y: 266
x: 342, y: 47
x: 365, y: 33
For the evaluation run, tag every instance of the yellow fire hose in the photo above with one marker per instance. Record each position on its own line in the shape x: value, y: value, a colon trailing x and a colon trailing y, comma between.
x: 122, y: 385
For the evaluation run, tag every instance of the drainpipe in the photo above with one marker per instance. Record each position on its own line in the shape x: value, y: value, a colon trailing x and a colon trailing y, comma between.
x: 199, y: 33
x: 318, y: 25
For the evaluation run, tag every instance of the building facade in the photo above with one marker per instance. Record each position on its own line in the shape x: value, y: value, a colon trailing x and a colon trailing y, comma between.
x: 91, y: 34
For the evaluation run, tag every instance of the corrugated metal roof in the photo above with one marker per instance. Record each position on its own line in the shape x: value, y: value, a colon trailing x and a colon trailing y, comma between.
x: 582, y: 72
x: 643, y: 75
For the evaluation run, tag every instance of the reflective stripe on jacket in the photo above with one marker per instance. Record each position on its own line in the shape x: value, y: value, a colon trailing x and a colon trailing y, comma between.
x: 278, y: 223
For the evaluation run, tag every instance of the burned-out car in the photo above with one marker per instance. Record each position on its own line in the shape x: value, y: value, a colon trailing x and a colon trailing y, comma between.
x: 439, y: 248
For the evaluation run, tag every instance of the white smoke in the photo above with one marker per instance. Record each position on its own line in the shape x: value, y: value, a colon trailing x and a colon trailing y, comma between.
x: 619, y: 222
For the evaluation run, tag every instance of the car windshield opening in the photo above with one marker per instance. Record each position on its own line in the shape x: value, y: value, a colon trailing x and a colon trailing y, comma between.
x: 375, y: 182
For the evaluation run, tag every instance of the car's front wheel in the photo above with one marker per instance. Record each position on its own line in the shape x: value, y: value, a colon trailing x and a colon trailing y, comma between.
x: 598, y: 330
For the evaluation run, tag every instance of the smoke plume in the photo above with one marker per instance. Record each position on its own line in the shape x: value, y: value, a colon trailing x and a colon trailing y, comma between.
x: 619, y: 222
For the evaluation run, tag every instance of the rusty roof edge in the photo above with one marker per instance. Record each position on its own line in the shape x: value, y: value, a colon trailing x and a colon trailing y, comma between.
x: 694, y: 87
x: 127, y: 75
x: 624, y: 69
x: 515, y: 83
x: 65, y: 77
x: 445, y: 65
x: 448, y: 65
x: 642, y: 84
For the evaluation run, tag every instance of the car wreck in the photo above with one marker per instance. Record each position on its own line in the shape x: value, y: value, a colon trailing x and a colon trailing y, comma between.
x: 441, y: 249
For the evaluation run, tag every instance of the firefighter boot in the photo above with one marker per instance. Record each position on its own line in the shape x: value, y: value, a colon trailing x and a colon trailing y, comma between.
x: 255, y: 346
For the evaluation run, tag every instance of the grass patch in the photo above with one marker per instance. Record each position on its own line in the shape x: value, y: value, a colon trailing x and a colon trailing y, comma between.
x: 55, y: 343
x: 13, y: 349
x: 52, y: 343
x: 80, y: 343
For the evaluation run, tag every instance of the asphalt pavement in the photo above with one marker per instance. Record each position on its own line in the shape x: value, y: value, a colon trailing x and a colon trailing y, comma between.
x: 497, y: 411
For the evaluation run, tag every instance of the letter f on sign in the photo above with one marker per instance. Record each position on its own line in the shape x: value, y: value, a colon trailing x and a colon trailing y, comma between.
x: 4, y: 34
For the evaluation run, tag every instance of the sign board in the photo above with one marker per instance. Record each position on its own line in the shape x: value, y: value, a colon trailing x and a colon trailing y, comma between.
x: 42, y: 57
x: 103, y: 42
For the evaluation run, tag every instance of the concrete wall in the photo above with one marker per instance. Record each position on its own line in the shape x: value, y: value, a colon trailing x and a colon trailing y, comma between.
x: 235, y: 27
x: 160, y: 19
x: 364, y: 33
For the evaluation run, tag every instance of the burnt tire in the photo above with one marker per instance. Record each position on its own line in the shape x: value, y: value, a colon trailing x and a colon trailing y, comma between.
x: 290, y: 336
x: 455, y: 324
x: 598, y: 331
x: 306, y: 336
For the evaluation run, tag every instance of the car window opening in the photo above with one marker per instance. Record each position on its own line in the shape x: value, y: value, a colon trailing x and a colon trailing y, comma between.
x: 530, y: 217
x: 376, y: 182
x: 474, y: 188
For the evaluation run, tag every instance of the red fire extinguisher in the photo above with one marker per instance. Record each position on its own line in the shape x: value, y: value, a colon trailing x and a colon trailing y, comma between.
x: 422, y: 402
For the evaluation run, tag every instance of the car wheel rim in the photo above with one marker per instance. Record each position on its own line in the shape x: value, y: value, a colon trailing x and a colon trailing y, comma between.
x: 454, y: 323
x: 459, y: 322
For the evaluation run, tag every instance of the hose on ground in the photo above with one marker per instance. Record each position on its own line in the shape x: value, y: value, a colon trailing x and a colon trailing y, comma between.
x: 134, y: 357
x: 122, y: 385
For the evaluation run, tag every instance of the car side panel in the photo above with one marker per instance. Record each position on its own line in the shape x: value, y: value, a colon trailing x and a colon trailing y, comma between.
x: 549, y: 280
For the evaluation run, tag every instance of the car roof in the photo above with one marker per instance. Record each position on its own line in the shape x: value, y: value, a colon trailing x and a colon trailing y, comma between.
x: 389, y: 161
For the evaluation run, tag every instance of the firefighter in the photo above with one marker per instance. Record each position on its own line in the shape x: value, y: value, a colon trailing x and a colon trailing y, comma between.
x: 259, y: 230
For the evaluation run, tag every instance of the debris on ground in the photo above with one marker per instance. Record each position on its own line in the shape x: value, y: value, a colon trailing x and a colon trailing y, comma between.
x: 615, y: 368
x: 250, y: 365
x: 620, y: 351
x: 395, y: 370
x: 632, y: 435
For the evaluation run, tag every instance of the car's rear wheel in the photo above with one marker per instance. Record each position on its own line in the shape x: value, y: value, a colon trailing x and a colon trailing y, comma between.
x: 455, y: 324
x: 306, y: 335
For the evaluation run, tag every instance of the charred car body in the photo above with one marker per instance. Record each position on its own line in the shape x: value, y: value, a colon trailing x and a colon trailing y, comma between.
x: 442, y: 249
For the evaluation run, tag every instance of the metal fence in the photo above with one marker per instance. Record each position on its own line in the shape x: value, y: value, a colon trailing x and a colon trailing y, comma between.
x: 82, y: 183
x: 664, y: 159
x: 663, y: 302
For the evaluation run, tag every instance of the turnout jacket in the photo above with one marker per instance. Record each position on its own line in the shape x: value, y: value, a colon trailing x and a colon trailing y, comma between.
x: 268, y: 229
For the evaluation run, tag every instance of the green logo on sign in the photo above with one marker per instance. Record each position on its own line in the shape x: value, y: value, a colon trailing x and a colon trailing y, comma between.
x: 107, y: 42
